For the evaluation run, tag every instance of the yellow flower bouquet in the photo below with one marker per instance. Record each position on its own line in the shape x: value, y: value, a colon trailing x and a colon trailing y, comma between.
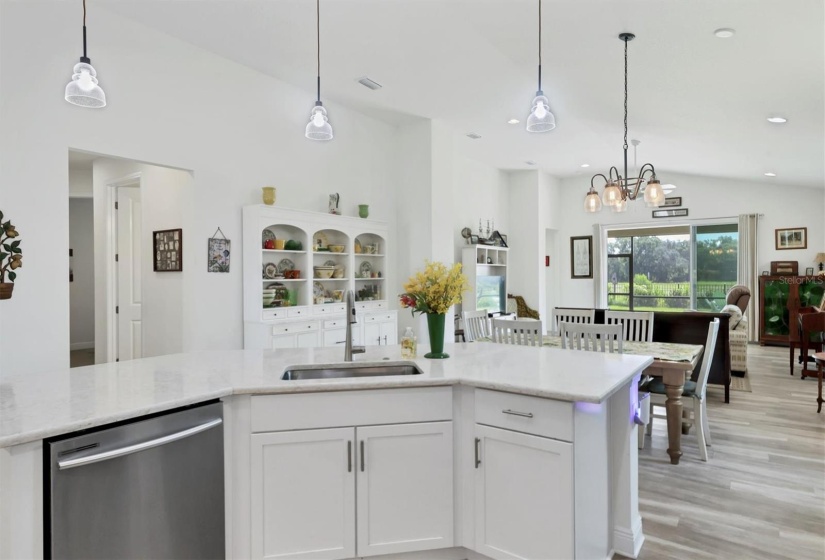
x: 433, y: 291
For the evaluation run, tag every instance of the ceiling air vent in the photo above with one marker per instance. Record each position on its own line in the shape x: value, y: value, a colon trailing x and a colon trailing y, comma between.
x: 473, y: 135
x: 366, y: 82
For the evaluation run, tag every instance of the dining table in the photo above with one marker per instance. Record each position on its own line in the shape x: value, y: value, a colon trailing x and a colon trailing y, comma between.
x: 674, y: 363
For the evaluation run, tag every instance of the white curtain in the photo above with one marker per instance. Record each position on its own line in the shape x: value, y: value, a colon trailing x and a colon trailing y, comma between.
x: 749, y: 268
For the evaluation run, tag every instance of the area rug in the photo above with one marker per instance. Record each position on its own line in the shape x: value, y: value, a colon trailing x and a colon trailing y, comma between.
x: 740, y: 384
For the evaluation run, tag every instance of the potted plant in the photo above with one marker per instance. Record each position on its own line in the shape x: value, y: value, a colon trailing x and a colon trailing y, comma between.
x: 11, y: 257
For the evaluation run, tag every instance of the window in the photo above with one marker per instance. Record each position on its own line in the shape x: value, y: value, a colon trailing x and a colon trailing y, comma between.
x: 671, y: 268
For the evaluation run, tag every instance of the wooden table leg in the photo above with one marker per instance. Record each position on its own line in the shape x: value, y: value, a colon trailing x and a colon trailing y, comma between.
x: 819, y: 386
x: 674, y: 385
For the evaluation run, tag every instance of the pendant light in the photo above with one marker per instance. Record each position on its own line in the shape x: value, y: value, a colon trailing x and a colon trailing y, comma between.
x: 318, y: 127
x: 83, y: 90
x: 540, y: 119
x: 619, y: 188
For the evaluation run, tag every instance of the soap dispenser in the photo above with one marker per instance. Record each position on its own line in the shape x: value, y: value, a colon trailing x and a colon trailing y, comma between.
x: 408, y: 344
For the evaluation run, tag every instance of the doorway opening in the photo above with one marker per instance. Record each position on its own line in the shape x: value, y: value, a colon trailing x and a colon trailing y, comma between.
x: 133, y: 311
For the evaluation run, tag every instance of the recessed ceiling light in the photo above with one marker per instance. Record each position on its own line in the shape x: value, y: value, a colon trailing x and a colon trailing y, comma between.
x: 769, y: 174
x: 530, y: 162
x: 513, y: 121
x: 585, y: 165
x: 725, y: 33
x: 777, y: 120
x: 473, y: 135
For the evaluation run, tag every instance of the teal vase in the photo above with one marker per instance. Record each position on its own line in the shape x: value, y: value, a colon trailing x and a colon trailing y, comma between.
x: 435, y: 326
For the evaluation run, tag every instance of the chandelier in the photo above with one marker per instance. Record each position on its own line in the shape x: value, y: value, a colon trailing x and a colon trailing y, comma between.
x: 618, y: 189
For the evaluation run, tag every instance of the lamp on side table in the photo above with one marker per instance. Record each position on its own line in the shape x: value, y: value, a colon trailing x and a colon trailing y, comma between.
x: 820, y: 260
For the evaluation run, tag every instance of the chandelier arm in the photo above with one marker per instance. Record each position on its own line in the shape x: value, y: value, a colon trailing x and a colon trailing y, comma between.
x: 612, y: 170
x: 648, y: 167
x: 594, y: 176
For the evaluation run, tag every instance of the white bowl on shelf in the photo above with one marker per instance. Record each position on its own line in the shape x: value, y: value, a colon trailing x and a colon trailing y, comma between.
x: 324, y: 271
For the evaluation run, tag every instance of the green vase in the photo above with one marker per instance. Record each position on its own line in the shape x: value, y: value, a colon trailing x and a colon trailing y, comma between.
x: 435, y: 326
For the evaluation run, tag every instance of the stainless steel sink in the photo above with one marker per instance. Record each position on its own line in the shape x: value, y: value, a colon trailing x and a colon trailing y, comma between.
x: 365, y: 370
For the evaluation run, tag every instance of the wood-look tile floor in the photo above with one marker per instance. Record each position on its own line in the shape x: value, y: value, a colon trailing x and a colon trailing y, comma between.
x: 762, y: 492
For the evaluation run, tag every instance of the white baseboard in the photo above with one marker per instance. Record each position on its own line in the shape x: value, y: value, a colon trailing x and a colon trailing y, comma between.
x: 82, y: 345
x: 628, y: 542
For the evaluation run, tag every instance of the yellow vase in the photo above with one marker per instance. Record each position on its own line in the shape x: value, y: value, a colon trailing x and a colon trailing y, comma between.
x: 268, y: 195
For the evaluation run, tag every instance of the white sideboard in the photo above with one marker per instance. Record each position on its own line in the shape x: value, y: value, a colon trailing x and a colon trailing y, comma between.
x: 310, y: 311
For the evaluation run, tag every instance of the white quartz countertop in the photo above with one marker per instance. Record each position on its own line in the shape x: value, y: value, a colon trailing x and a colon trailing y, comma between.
x: 38, y: 406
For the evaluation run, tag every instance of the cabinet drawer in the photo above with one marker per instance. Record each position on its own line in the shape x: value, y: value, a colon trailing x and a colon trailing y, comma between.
x: 378, y: 317
x: 294, y: 328
x: 531, y: 415
x: 335, y: 323
x: 273, y: 314
x: 332, y: 309
x: 351, y: 408
x: 297, y: 312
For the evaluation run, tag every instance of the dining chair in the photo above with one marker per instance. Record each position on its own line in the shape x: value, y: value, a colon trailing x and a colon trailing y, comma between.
x: 637, y: 325
x: 594, y: 338
x: 476, y: 325
x: 696, y: 391
x: 571, y: 315
x: 525, y: 332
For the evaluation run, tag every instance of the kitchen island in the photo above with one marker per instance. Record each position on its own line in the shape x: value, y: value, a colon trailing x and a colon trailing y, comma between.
x: 488, y: 411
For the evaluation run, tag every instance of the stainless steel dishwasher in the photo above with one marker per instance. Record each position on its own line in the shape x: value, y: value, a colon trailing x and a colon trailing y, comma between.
x: 148, y: 488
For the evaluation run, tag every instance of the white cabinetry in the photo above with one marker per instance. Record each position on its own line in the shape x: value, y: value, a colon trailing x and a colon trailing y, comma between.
x: 486, y: 270
x: 524, y: 485
x: 380, y: 329
x: 390, y: 476
x: 361, y: 265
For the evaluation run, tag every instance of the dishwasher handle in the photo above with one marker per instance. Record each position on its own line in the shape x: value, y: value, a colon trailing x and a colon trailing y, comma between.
x: 129, y: 449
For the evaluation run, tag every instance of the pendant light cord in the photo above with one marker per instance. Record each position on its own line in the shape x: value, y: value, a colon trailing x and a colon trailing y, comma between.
x: 539, y: 45
x: 625, y: 118
x: 317, y: 43
x: 85, y: 57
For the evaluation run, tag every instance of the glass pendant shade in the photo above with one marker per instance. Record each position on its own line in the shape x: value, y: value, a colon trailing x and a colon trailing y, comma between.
x: 611, y: 194
x: 318, y: 127
x: 620, y: 206
x: 541, y: 119
x: 592, y: 202
x: 654, y: 195
x: 83, y: 90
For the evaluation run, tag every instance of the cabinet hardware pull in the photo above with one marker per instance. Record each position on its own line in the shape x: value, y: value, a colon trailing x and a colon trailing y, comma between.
x: 349, y: 456
x: 517, y: 413
x: 478, y: 461
x: 362, y: 455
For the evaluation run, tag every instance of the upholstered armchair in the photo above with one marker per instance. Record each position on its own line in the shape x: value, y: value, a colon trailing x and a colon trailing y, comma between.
x: 736, y: 304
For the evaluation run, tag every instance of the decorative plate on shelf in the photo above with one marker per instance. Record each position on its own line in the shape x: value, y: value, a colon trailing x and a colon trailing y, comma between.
x: 365, y: 269
x: 285, y: 264
x: 267, y: 235
x: 319, y: 240
x: 270, y: 270
x: 318, y: 289
x: 330, y: 262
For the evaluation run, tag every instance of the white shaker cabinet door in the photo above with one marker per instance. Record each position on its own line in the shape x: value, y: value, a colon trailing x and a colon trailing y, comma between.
x: 303, y: 494
x: 405, y: 487
x: 524, y: 496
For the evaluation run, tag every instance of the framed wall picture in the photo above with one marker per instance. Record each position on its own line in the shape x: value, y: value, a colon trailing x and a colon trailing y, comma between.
x: 681, y: 212
x: 673, y: 201
x: 167, y: 247
x: 581, y: 257
x: 217, y: 253
x: 791, y: 238
x: 809, y: 271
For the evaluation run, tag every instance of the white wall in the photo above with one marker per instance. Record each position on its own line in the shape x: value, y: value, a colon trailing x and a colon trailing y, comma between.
x: 167, y: 197
x: 171, y: 104
x: 82, y: 289
x: 783, y: 206
x: 80, y: 181
x: 480, y: 193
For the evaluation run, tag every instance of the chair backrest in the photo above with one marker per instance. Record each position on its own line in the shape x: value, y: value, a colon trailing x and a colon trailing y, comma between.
x: 595, y: 338
x: 739, y: 296
x: 707, y: 358
x: 570, y: 315
x: 526, y: 332
x: 637, y: 325
x: 476, y: 325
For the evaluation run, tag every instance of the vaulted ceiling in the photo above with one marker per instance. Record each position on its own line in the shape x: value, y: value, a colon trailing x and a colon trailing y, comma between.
x: 698, y: 103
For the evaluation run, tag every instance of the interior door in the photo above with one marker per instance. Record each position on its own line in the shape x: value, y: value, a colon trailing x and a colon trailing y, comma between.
x: 129, y: 251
